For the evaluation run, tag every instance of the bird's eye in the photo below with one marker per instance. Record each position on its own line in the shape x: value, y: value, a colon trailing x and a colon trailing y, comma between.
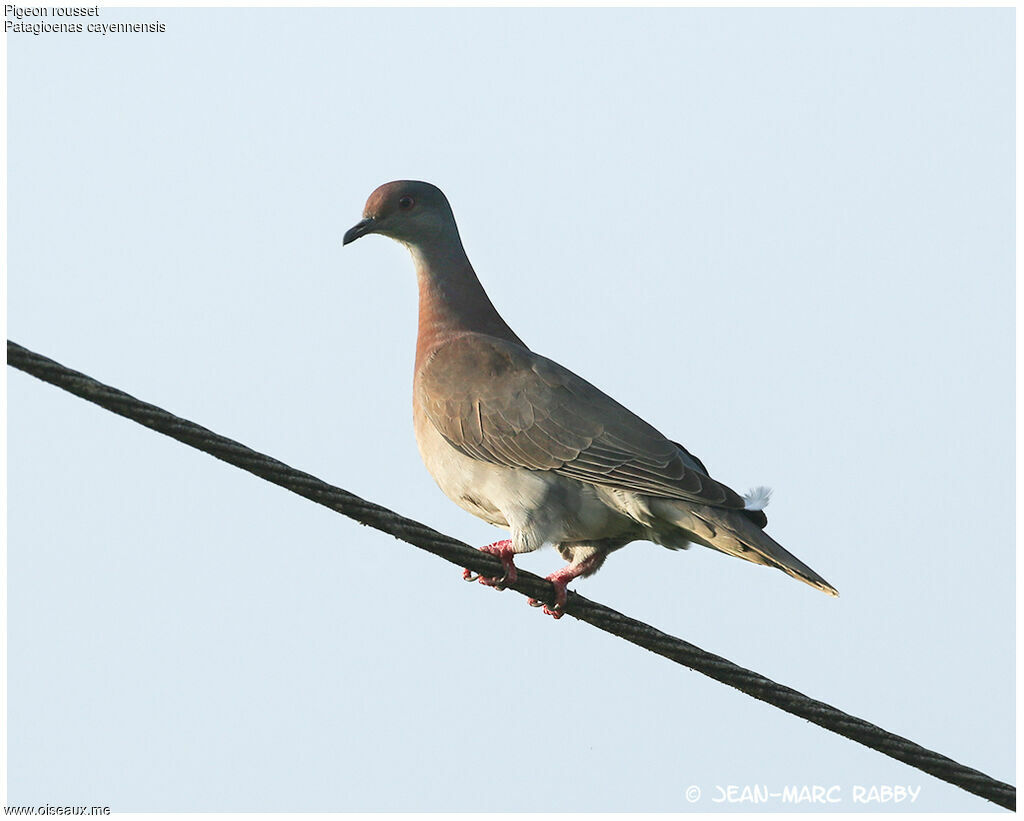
x: 406, y: 203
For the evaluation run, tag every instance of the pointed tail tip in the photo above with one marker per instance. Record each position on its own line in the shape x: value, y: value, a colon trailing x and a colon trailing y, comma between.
x: 812, y: 579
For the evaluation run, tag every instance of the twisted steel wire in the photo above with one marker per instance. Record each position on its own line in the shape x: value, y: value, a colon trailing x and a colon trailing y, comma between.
x: 461, y: 554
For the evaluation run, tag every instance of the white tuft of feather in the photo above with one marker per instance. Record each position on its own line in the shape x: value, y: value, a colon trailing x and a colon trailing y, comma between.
x: 757, y: 498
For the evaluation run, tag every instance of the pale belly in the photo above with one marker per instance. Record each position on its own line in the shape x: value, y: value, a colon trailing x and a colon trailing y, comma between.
x: 537, y: 507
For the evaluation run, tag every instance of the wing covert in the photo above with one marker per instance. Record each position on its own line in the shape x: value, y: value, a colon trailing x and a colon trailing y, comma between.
x: 499, y: 402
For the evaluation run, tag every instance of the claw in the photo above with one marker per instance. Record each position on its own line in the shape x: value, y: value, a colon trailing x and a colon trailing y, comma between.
x: 497, y: 584
x: 557, y: 610
x: 503, y: 550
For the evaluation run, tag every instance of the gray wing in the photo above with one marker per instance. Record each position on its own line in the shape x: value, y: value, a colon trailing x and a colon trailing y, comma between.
x: 499, y: 402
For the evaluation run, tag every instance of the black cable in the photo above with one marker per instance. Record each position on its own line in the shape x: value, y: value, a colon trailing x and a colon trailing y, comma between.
x: 461, y: 554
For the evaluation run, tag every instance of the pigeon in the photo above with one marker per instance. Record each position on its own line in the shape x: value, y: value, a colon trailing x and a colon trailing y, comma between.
x: 527, y: 445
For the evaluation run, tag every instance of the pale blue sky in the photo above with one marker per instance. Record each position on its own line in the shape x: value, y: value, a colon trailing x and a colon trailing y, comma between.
x: 784, y: 237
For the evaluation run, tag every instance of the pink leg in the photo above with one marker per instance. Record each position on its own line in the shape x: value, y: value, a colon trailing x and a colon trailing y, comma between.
x: 503, y: 550
x: 561, y: 578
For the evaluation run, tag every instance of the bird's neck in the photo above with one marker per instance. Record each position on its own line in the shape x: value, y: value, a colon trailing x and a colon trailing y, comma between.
x: 452, y: 300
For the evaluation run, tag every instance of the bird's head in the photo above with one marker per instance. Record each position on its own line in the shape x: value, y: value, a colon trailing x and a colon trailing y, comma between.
x: 411, y: 212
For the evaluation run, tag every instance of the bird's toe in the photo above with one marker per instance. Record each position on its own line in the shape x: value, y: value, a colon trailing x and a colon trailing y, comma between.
x: 502, y: 551
x: 556, y: 610
x: 497, y: 582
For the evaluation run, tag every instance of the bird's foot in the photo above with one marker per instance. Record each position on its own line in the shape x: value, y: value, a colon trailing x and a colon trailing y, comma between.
x: 503, y: 550
x: 558, y: 609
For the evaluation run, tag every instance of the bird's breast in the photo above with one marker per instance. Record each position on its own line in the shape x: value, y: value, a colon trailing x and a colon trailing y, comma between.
x: 541, y: 505
x: 475, y: 486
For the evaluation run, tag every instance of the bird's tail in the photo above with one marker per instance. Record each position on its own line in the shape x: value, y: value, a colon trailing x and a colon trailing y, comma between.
x: 732, y: 532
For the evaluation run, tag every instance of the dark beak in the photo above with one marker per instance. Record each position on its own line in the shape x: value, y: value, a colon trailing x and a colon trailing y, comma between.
x: 357, y: 230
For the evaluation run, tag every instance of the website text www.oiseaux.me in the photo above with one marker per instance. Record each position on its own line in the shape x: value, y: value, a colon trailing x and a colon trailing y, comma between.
x: 56, y: 809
